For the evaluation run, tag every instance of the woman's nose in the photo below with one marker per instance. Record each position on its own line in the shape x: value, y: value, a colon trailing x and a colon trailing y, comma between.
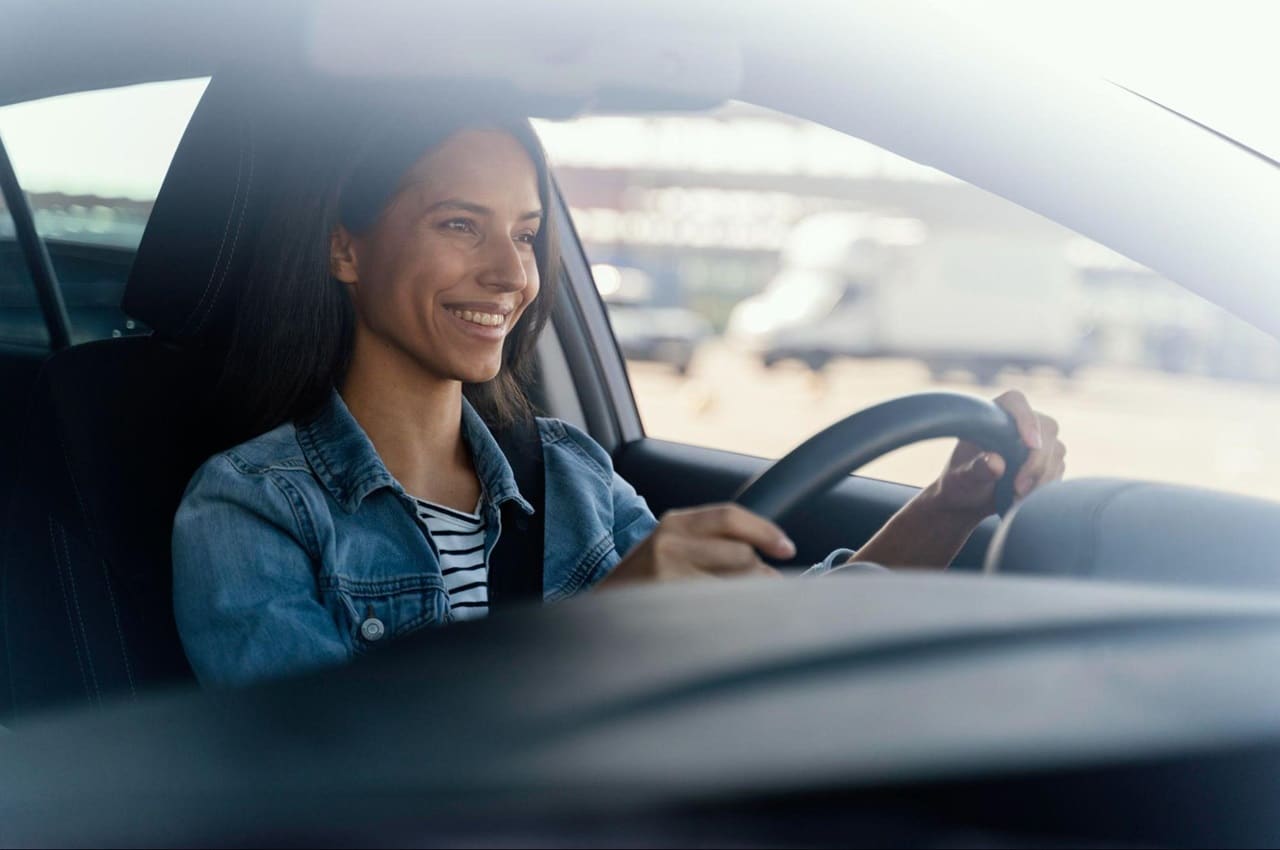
x: 504, y: 266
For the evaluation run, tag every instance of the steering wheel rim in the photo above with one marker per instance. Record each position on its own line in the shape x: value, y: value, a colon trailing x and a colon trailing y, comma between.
x: 821, y: 461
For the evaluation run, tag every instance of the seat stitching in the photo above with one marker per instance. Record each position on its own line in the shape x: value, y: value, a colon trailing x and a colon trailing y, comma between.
x: 234, y: 241
x: 84, y: 515
x: 75, y: 597
x: 66, y: 603
x: 218, y: 258
x: 88, y: 526
x: 75, y: 488
x: 115, y: 615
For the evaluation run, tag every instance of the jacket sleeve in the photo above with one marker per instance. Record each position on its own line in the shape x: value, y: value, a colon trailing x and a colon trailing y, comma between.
x: 633, y: 521
x: 246, y: 598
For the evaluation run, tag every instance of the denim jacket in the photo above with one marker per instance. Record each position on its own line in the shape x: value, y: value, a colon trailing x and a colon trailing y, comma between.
x: 285, y: 546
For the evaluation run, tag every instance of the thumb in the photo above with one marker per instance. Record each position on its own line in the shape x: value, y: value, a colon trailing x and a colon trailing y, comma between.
x: 983, y: 469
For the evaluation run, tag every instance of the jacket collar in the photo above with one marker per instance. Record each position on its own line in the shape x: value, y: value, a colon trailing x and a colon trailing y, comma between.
x: 342, y: 456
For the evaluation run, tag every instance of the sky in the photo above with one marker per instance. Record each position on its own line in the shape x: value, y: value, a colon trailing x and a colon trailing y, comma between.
x: 115, y: 144
x: 1216, y: 61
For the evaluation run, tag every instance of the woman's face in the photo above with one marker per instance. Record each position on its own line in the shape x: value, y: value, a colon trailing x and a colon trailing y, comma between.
x: 449, y: 268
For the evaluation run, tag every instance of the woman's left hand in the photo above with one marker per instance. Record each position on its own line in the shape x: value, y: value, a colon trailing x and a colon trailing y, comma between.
x: 967, y: 486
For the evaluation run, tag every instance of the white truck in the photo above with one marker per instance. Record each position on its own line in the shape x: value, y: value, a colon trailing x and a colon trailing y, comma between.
x: 851, y: 285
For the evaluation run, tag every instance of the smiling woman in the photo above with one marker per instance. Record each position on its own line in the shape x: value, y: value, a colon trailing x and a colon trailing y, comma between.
x: 395, y: 208
x: 378, y: 357
x: 408, y: 272
x: 390, y: 315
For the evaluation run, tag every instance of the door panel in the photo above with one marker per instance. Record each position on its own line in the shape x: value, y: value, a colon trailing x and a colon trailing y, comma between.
x: 671, y: 475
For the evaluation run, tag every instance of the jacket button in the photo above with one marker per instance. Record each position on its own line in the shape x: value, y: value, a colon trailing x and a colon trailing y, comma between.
x: 372, y: 629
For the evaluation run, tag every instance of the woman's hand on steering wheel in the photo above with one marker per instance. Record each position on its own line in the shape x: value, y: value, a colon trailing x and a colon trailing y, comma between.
x: 711, y: 540
x: 967, y: 486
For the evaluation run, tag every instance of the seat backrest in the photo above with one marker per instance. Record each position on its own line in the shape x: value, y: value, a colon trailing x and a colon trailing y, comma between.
x: 24, y: 345
x: 117, y: 427
x: 18, y: 370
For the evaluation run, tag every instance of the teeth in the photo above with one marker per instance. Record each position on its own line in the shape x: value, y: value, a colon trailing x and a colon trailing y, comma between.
x: 488, y: 320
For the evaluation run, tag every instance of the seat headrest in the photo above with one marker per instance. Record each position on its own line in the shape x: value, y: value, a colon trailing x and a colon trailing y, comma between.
x: 244, y: 135
x: 200, y: 238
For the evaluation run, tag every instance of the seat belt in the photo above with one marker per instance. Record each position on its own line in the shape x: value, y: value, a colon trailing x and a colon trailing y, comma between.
x: 515, y: 565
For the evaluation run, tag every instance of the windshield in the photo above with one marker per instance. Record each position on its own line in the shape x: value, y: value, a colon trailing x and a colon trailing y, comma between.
x: 1215, y: 63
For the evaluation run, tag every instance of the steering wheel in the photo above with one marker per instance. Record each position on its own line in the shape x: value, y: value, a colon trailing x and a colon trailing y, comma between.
x: 825, y: 458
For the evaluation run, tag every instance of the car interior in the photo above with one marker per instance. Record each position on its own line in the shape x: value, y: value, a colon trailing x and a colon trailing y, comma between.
x: 85, y: 605
x: 71, y: 538
x: 1081, y: 625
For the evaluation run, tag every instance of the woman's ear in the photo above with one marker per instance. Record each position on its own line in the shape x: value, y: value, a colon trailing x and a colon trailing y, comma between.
x: 342, y: 256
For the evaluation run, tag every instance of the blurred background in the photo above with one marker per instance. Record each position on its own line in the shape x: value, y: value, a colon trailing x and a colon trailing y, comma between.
x: 766, y: 276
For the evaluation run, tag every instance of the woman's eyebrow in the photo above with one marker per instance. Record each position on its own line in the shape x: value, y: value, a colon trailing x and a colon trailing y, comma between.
x: 475, y: 209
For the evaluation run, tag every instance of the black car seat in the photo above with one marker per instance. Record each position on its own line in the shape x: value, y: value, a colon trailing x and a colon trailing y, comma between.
x: 117, y: 427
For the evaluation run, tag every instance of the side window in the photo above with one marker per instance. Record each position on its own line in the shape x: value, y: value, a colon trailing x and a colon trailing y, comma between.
x: 767, y: 276
x: 21, y: 322
x: 90, y: 165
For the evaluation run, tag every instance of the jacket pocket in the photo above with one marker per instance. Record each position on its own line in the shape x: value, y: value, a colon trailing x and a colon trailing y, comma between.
x: 375, y: 613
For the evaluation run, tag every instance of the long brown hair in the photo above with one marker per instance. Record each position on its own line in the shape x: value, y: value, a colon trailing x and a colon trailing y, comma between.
x: 295, y: 325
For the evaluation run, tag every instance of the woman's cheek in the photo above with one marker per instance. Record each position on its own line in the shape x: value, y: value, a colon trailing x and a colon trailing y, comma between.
x: 534, y: 283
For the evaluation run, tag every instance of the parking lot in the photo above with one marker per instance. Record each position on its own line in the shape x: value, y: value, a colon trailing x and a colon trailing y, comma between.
x: 1116, y: 422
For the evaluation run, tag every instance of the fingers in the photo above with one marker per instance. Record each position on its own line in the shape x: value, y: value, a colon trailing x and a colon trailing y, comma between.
x: 1044, y: 464
x: 987, y: 466
x: 725, y: 557
x: 1028, y: 422
x: 717, y: 540
x: 977, y: 478
x: 1056, y: 468
x: 735, y: 522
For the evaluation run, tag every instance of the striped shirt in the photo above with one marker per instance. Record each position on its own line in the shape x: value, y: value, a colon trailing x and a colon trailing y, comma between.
x: 459, y: 538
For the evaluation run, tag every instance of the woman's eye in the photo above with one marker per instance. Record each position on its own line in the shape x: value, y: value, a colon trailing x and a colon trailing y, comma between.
x: 459, y: 225
x: 527, y: 238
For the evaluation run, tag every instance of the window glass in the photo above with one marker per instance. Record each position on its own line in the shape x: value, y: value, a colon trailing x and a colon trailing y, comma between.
x: 21, y: 322
x: 767, y: 276
x: 91, y: 165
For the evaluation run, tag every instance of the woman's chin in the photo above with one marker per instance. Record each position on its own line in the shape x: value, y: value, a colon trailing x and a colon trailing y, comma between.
x: 479, y: 376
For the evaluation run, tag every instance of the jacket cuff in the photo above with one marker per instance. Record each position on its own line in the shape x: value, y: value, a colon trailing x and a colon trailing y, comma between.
x: 838, y: 561
x: 830, y: 562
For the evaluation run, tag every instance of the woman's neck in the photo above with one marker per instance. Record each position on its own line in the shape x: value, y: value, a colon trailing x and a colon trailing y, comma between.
x: 414, y: 420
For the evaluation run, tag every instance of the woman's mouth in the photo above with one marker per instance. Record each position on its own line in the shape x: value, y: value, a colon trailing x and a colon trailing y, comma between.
x: 476, y: 317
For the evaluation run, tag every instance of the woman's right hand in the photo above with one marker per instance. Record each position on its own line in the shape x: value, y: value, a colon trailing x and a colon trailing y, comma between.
x: 711, y: 540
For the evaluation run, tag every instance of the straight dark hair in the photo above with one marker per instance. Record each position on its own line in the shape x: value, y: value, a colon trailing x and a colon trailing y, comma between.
x: 295, y: 325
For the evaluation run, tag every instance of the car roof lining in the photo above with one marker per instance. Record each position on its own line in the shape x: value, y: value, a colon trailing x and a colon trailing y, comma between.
x: 577, y: 66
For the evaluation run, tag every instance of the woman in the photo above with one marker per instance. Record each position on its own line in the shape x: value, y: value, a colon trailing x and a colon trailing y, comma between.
x: 380, y: 340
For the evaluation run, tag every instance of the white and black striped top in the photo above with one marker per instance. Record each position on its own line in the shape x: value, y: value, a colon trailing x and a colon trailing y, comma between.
x: 459, y: 538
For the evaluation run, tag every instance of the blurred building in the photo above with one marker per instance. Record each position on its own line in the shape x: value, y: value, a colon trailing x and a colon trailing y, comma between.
x: 705, y: 204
